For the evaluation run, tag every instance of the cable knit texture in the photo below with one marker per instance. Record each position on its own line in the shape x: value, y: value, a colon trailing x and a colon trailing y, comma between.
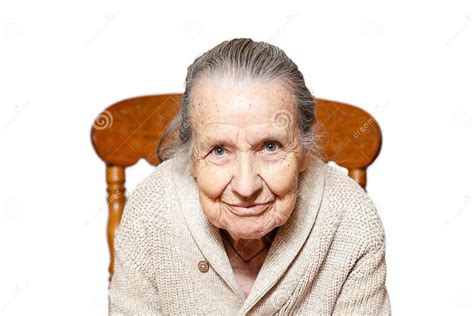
x: 327, y: 259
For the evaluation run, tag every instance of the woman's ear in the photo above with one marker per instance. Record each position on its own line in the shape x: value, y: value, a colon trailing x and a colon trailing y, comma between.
x: 193, y: 168
x: 303, y: 163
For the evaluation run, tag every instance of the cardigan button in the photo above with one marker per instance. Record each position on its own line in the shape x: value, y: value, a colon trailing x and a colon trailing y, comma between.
x: 203, y: 266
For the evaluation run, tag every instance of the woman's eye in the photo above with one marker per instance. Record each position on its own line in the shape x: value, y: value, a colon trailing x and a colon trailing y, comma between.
x: 218, y: 151
x: 272, y: 145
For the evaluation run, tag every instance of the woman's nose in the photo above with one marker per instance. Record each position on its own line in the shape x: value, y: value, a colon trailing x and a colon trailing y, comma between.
x: 246, y: 180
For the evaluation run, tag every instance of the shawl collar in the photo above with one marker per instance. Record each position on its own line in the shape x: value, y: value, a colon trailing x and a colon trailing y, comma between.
x: 286, y: 245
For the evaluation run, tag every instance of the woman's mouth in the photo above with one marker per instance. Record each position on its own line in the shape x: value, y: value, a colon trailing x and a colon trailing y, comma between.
x: 248, y: 210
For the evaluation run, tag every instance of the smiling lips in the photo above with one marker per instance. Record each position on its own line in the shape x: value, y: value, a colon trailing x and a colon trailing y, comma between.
x: 250, y: 210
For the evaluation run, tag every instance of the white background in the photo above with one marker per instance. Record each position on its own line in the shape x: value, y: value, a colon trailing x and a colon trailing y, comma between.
x: 409, y: 63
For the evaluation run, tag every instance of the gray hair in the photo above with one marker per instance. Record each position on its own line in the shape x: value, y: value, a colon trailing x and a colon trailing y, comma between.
x: 242, y: 58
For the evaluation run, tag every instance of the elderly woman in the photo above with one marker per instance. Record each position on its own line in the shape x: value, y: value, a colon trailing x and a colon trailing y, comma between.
x: 243, y: 216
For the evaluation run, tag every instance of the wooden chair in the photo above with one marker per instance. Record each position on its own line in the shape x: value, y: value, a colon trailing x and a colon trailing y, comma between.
x: 130, y: 130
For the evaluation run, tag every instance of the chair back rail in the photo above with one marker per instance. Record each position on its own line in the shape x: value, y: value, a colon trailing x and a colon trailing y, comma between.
x: 129, y: 130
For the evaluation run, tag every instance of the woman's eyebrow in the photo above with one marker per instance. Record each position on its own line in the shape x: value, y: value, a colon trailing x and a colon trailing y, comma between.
x: 269, y: 134
x: 218, y: 140
x: 224, y: 140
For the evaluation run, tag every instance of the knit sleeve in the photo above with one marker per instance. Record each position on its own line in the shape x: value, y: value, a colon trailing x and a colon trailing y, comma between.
x: 132, y: 290
x: 364, y: 291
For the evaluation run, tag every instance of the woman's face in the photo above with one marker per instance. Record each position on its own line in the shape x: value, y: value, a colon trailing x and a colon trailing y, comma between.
x: 246, y: 151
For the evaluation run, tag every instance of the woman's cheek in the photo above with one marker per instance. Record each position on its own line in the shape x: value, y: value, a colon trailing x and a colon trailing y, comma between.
x: 280, y: 177
x: 213, y: 180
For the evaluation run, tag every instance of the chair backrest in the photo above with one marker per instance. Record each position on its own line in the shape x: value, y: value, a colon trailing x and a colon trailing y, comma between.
x: 130, y: 130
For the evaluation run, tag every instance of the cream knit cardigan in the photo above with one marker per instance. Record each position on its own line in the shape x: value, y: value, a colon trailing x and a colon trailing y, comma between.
x: 327, y: 259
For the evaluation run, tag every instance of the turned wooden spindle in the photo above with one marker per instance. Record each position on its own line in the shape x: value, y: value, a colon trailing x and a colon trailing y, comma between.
x: 116, y: 201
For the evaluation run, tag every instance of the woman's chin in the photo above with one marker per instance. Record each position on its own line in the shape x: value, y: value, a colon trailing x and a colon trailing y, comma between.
x: 248, y: 228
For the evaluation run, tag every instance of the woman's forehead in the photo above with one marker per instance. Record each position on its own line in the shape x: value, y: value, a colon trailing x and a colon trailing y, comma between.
x: 249, y: 128
x: 249, y: 104
x: 230, y: 128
